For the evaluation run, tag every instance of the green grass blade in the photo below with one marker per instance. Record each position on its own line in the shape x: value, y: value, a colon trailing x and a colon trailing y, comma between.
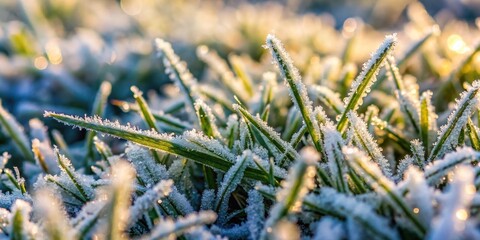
x: 270, y: 135
x: 473, y: 134
x: 173, y: 145
x: 298, y: 90
x: 364, y: 81
x: 97, y: 110
x: 456, y: 121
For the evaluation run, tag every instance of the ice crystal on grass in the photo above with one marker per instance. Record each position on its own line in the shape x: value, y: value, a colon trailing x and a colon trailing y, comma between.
x: 448, y: 134
x: 298, y: 90
x: 364, y: 140
x: 342, y: 206
x: 146, y: 201
x: 169, y: 229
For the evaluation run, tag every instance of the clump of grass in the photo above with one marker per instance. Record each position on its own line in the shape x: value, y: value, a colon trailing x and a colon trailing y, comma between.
x: 239, y: 155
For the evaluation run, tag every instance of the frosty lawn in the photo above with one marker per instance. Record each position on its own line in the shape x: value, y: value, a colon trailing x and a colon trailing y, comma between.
x: 244, y: 156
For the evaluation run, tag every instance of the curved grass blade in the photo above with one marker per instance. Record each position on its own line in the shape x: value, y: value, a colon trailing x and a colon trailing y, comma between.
x: 161, y: 142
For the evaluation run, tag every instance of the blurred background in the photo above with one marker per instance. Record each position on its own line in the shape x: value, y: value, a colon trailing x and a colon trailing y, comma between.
x: 54, y: 54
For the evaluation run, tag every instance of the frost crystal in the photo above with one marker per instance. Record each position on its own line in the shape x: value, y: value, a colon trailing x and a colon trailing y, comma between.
x: 448, y: 134
x: 364, y: 140
x: 344, y: 206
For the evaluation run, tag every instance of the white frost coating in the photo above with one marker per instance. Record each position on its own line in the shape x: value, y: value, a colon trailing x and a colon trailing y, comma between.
x: 435, y: 171
x: 208, y: 199
x: 147, y: 169
x: 212, y: 145
x: 230, y: 182
x: 420, y: 196
x: 402, y: 167
x: 96, y: 120
x: 44, y: 149
x: 255, y: 213
x: 369, y: 170
x: 333, y: 143
x: 455, y: 206
x: 283, y: 61
x: 88, y: 216
x: 4, y: 160
x: 200, y: 105
x: 81, y: 183
x: 237, y: 231
x: 346, y: 206
x: 418, y: 152
x: 119, y: 199
x: 271, y: 134
x: 448, y: 134
x: 385, y: 48
x: 364, y: 140
x: 176, y: 68
x: 291, y: 76
x: 168, y: 228
x: 329, y: 228
x: 300, y: 180
x: 180, y: 202
x: 149, y: 199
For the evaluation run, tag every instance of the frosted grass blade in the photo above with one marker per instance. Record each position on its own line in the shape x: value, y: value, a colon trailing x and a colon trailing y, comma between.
x: 156, y: 141
x: 344, y: 206
x: 448, y: 135
x: 364, y: 81
x: 297, y: 89
x: 270, y: 134
x: 178, y: 72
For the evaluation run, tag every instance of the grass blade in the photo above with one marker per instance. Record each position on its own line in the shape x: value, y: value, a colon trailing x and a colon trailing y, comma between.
x: 448, y: 135
x: 297, y: 89
x: 161, y: 142
x: 364, y: 81
x: 97, y: 110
